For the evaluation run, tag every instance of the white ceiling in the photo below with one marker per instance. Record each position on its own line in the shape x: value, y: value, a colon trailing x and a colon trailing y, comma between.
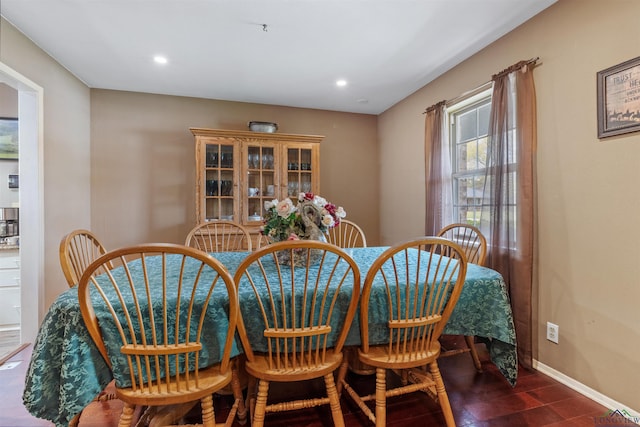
x: 219, y: 49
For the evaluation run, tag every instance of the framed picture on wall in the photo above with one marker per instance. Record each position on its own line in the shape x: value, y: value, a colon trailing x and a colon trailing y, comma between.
x: 619, y: 99
x: 8, y: 138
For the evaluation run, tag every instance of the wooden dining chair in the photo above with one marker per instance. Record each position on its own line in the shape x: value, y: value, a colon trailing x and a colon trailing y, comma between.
x: 219, y: 236
x: 469, y: 238
x: 417, y: 288
x: 302, y: 313
x: 474, y: 245
x: 261, y: 241
x: 347, y: 235
x: 150, y: 323
x: 77, y: 250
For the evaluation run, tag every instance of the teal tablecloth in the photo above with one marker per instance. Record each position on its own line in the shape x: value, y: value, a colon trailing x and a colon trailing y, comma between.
x: 66, y: 370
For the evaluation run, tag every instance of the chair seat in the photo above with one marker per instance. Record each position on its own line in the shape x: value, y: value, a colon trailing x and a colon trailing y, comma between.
x: 259, y: 368
x: 211, y: 380
x: 379, y: 357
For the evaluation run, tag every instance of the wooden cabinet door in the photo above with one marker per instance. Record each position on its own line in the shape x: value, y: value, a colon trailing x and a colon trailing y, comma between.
x: 261, y: 180
x: 301, y: 165
x: 217, y: 182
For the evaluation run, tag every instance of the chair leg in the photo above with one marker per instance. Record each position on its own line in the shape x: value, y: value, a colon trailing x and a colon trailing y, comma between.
x: 208, y: 415
x: 126, y: 418
x: 237, y: 394
x: 474, y: 353
x: 334, y: 400
x: 251, y: 398
x: 342, y: 372
x: 443, y: 398
x: 261, y: 404
x: 381, y: 397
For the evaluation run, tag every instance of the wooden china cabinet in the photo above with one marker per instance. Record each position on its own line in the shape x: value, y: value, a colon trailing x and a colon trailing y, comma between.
x: 237, y: 171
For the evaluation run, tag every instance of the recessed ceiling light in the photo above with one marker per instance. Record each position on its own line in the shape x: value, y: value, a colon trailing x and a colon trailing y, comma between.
x: 158, y: 59
x: 341, y: 83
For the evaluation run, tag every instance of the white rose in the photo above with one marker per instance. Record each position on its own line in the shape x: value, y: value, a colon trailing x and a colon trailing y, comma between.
x: 320, y: 201
x: 285, y: 208
x: 340, y: 212
x: 270, y: 204
x: 327, y: 221
x: 301, y: 197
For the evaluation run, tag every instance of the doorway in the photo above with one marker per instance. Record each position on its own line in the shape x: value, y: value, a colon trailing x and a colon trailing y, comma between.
x: 31, y: 212
x: 9, y: 224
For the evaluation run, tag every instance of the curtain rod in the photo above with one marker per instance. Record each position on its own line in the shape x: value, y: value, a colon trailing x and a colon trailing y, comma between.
x: 434, y: 106
x: 483, y: 86
x: 515, y: 67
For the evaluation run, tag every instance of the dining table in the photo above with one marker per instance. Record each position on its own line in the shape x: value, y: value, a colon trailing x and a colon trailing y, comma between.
x: 66, y: 371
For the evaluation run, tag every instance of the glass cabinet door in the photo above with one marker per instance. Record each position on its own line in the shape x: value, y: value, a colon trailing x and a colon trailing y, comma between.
x: 261, y: 180
x: 299, y: 171
x: 219, y: 182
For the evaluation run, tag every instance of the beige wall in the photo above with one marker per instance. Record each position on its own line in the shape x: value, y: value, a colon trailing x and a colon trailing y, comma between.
x: 588, y: 191
x: 8, y: 101
x: 143, y: 159
x: 66, y: 147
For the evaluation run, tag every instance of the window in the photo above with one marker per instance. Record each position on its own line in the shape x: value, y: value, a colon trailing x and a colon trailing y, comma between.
x: 468, y: 138
x: 468, y: 129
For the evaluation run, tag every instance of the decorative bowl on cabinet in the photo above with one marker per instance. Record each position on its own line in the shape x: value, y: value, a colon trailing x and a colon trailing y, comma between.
x: 263, y: 127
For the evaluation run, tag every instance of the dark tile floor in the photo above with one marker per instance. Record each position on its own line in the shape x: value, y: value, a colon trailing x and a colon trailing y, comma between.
x: 478, y: 399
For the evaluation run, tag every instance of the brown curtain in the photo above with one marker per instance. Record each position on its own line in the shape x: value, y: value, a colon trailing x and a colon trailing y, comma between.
x: 437, y: 171
x: 508, y: 204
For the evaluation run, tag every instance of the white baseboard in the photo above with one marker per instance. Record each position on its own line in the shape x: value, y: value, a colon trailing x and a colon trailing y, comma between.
x: 586, y: 391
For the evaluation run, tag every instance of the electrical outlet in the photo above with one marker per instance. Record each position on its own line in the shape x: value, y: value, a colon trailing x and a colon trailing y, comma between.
x: 553, y: 331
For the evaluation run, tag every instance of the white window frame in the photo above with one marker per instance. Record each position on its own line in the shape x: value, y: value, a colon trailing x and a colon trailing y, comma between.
x: 477, y: 100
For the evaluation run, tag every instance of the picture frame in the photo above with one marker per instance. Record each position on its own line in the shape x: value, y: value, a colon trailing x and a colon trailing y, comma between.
x: 618, y: 103
x: 14, y: 181
x: 9, y: 147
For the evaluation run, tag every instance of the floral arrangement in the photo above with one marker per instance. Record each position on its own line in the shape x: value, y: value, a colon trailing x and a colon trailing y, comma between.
x: 312, y: 216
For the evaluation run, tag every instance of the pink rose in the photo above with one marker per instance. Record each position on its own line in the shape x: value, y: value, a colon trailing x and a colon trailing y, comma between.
x: 293, y: 236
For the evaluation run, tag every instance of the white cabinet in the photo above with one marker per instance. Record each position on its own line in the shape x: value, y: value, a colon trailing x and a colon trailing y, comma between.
x: 9, y: 289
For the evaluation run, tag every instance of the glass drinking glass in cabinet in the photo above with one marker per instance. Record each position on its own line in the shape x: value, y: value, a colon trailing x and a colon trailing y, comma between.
x: 226, y: 160
x: 254, y: 160
x: 267, y: 161
x: 212, y: 159
x: 212, y: 187
x: 226, y: 187
x: 292, y: 187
